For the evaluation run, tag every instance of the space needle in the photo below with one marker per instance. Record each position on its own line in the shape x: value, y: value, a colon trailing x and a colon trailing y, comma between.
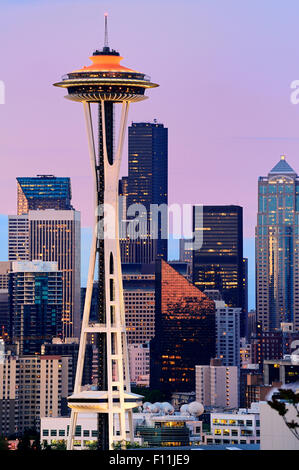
x: 105, y: 82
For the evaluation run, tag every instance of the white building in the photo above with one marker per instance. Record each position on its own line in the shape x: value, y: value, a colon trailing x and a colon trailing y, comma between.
x: 241, y: 427
x: 217, y: 386
x: 275, y: 435
x: 55, y: 430
x: 139, y: 362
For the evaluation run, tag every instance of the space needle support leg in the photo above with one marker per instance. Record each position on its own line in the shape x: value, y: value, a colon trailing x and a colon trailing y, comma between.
x: 114, y: 300
x: 90, y: 279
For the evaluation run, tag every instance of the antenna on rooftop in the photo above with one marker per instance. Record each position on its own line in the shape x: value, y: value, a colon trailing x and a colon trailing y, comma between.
x: 106, y: 31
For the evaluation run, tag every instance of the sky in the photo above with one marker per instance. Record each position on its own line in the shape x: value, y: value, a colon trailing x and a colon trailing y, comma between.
x: 224, y: 70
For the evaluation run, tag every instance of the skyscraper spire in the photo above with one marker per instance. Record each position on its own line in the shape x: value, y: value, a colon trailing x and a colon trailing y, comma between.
x: 106, y: 31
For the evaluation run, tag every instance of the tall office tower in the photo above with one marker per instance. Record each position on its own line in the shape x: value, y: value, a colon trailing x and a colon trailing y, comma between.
x: 244, y: 314
x: 277, y: 248
x: 5, y: 323
x: 185, y: 331
x: 18, y: 238
x: 43, y: 192
x: 217, y: 385
x: 123, y: 198
x: 147, y: 185
x: 52, y: 235
x: 290, y: 339
x: 106, y: 82
x: 186, y: 255
x: 227, y: 333
x: 218, y: 264
x: 35, y: 289
x: 251, y: 324
x: 139, y: 299
x: 5, y: 267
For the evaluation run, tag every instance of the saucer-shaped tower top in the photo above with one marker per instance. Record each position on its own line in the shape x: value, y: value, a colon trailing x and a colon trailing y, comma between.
x: 106, y: 79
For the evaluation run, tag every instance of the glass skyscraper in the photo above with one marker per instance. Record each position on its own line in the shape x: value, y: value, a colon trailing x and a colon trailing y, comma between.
x: 277, y: 245
x: 185, y: 331
x: 219, y: 263
x: 35, y: 303
x: 43, y: 192
x: 147, y: 184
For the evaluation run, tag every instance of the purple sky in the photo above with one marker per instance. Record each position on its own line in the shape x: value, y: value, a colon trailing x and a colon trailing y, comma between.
x: 224, y: 69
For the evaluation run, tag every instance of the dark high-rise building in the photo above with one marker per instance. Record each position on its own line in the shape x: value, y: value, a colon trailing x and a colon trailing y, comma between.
x: 218, y: 264
x: 71, y: 348
x: 5, y: 322
x: 277, y: 248
x: 185, y: 331
x: 123, y: 196
x: 4, y: 314
x: 35, y: 304
x: 43, y: 192
x: 147, y: 184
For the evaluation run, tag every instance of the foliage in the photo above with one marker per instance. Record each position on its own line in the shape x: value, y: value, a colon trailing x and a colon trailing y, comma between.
x: 92, y: 446
x: 25, y: 440
x: 150, y: 395
x: 127, y: 445
x: 60, y: 445
x: 279, y: 403
x: 3, y: 443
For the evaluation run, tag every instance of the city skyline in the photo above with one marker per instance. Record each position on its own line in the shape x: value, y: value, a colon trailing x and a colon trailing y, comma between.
x: 150, y: 301
x: 233, y: 151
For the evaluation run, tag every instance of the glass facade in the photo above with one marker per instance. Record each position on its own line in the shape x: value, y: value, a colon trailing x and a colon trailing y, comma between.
x: 43, y: 192
x: 147, y: 184
x: 185, y: 331
x: 219, y: 263
x: 277, y: 286
x: 36, y: 308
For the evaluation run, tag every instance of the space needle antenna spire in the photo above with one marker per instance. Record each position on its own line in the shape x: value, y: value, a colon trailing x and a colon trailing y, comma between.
x: 106, y: 42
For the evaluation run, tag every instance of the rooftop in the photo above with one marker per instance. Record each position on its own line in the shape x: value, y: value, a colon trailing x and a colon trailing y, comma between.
x: 282, y: 168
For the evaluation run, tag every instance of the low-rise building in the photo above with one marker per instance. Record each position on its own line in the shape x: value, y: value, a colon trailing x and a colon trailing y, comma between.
x: 239, y: 427
x: 55, y: 430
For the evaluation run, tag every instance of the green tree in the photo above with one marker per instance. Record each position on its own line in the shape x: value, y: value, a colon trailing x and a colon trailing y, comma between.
x: 60, y: 445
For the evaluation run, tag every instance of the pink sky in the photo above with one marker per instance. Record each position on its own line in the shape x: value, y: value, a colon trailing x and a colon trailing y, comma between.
x: 224, y: 69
